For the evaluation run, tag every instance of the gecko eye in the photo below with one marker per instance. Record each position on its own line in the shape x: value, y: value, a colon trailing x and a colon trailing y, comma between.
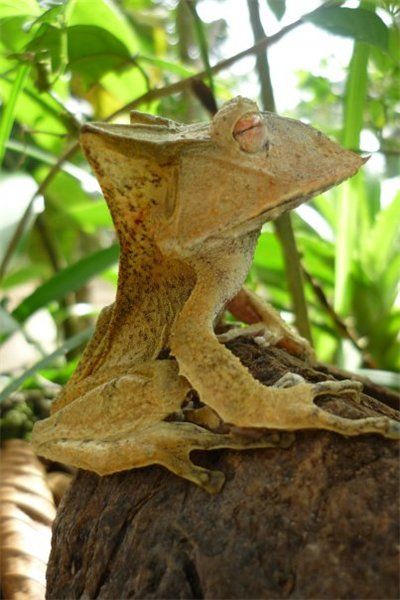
x: 251, y: 133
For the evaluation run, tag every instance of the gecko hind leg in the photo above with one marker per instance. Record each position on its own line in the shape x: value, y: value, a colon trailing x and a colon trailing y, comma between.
x: 264, y: 324
x: 173, y: 443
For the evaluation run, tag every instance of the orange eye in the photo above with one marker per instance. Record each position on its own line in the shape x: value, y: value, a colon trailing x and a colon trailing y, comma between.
x: 251, y: 133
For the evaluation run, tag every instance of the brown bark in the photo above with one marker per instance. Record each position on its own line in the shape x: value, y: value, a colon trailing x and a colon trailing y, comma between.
x: 319, y: 520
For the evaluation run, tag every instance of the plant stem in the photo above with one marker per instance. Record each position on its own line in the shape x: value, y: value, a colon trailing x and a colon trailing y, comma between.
x: 283, y: 225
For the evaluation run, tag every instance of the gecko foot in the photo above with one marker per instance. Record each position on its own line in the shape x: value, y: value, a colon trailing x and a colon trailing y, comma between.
x: 257, y: 331
x: 346, y: 387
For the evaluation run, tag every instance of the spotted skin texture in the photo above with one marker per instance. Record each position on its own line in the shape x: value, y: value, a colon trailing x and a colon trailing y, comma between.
x: 188, y: 203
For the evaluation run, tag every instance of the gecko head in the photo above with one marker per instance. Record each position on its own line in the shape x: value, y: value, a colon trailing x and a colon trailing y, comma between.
x: 216, y: 180
x: 256, y: 166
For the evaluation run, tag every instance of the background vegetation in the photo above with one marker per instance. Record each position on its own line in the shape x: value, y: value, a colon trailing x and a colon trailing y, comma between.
x: 67, y: 62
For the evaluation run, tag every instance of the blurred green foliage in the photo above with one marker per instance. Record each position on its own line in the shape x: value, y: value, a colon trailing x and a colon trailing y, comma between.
x: 63, y: 63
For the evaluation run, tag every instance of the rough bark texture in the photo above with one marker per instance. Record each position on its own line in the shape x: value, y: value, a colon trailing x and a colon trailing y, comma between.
x: 318, y: 520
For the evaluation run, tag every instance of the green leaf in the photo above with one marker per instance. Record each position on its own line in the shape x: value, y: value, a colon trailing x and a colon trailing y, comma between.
x: 106, y: 15
x: 166, y: 65
x: 47, y: 43
x: 11, y: 8
x: 351, y: 192
x: 278, y: 7
x: 51, y: 15
x: 49, y: 159
x: 8, y: 116
x: 384, y: 238
x: 91, y: 215
x: 68, y: 280
x: 94, y: 51
x: 359, y: 23
x: 36, y: 111
x: 70, y: 344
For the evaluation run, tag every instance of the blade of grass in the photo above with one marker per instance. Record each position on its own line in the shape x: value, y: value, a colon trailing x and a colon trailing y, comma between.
x: 8, y: 117
x: 48, y: 159
x: 66, y: 347
x: 355, y: 98
x: 203, y: 46
x: 68, y: 280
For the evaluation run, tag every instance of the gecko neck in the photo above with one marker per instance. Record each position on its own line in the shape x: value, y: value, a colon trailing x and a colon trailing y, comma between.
x: 151, y: 292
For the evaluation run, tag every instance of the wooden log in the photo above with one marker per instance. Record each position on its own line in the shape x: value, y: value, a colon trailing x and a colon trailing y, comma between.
x: 318, y: 520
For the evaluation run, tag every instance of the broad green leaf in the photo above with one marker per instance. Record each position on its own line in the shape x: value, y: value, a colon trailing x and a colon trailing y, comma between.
x: 13, y: 37
x: 72, y: 343
x: 268, y: 252
x: 68, y: 280
x: 22, y: 275
x: 51, y: 15
x: 47, y: 43
x: 165, y: 65
x: 105, y: 15
x: 94, y: 51
x: 278, y: 7
x: 9, y: 111
x: 91, y: 215
x: 11, y: 8
x: 359, y: 23
x: 122, y: 86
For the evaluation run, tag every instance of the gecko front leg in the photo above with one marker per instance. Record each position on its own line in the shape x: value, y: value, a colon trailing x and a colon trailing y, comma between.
x: 225, y: 385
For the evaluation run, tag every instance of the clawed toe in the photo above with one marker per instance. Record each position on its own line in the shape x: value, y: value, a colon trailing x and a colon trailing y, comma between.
x: 211, y: 481
x: 337, y: 388
x: 289, y: 380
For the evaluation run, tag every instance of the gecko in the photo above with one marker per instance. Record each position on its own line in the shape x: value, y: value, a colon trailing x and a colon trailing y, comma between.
x: 188, y: 203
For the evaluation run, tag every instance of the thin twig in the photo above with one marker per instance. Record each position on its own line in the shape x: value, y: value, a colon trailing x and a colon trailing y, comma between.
x: 283, y: 225
x: 179, y: 86
x: 343, y: 329
x: 69, y: 152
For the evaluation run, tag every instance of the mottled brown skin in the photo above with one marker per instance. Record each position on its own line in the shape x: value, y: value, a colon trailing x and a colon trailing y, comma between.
x: 188, y: 203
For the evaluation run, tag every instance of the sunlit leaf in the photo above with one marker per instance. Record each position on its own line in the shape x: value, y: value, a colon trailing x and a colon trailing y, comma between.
x: 93, y: 51
x: 91, y: 215
x: 166, y: 65
x: 11, y: 8
x: 47, y: 43
x: 68, y: 280
x: 359, y: 23
x: 72, y: 343
x: 278, y: 7
x: 37, y: 111
x: 106, y: 15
